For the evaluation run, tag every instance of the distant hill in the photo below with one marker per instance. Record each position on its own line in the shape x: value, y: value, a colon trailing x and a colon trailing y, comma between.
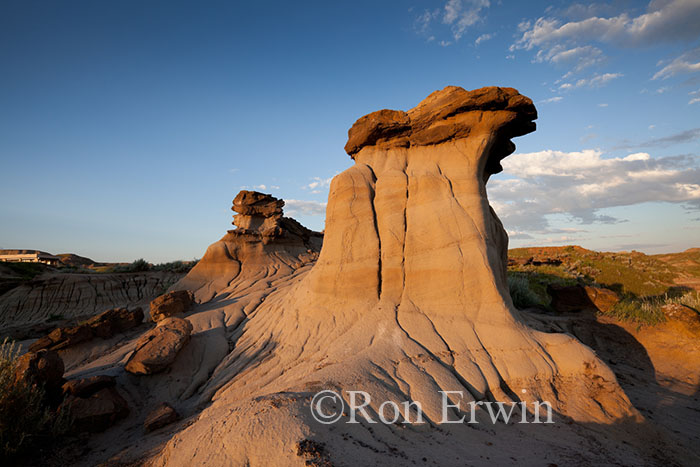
x: 73, y: 260
x: 627, y: 272
x: 687, y: 264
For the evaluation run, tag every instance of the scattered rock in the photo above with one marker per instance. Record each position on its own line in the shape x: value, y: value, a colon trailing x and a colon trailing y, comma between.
x: 162, y: 415
x: 533, y: 261
x: 577, y: 298
x: 96, y: 412
x: 603, y: 299
x: 87, y: 386
x: 170, y: 304
x: 104, y: 325
x: 111, y: 322
x: 65, y: 337
x: 157, y: 349
x: 43, y: 367
x: 678, y: 312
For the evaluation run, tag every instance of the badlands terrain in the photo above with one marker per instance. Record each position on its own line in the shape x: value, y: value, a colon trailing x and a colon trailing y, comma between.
x: 410, y: 291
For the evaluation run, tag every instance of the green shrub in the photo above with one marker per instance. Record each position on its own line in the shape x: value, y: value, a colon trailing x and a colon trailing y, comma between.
x: 140, y: 265
x: 639, y: 310
x: 520, y: 292
x: 26, y: 420
x: 176, y: 266
x: 648, y: 310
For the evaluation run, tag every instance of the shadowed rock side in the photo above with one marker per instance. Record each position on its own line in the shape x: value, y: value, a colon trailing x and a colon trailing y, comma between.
x: 263, y: 245
x: 68, y: 296
x: 408, y: 298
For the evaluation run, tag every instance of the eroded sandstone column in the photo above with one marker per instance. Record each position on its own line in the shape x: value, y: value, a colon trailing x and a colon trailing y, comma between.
x: 410, y: 237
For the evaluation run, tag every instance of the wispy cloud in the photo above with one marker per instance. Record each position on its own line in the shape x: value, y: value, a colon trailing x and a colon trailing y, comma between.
x: 455, y: 15
x: 309, y: 208
x: 580, y: 57
x: 460, y: 14
x: 262, y: 186
x: 483, y: 38
x: 694, y: 100
x: 595, y: 81
x: 689, y: 62
x: 551, y: 99
x: 664, y: 21
x: 580, y: 184
x: 685, y: 136
x: 318, y: 184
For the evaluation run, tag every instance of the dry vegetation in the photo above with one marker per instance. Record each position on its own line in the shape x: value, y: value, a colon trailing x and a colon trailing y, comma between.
x: 644, y: 283
x: 27, y: 422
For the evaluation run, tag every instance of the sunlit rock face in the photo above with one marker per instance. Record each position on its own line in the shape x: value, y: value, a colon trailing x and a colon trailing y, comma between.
x: 407, y: 298
x: 413, y: 247
x: 264, y: 245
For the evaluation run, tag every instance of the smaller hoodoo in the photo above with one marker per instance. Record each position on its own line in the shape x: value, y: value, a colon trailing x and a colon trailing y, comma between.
x: 264, y: 243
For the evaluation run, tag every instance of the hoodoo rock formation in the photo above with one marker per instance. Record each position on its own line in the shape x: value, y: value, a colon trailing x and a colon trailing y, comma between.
x: 264, y: 243
x: 407, y: 302
x: 408, y: 298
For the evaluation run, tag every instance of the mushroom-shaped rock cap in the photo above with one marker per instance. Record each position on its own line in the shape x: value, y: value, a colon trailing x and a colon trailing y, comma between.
x: 254, y: 203
x: 445, y: 115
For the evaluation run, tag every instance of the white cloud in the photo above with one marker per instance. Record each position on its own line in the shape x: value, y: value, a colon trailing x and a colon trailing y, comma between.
x: 421, y: 24
x: 694, y: 100
x: 595, y: 81
x: 551, y: 99
x: 262, y: 186
x: 602, y: 104
x: 681, y: 64
x: 664, y: 21
x: 456, y: 15
x: 460, y: 14
x: 483, y: 38
x: 310, y: 208
x: 579, y: 184
x: 580, y: 57
x: 317, y: 183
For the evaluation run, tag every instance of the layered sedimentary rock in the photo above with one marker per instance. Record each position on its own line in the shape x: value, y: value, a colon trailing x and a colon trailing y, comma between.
x: 263, y: 244
x: 63, y: 296
x: 408, y: 298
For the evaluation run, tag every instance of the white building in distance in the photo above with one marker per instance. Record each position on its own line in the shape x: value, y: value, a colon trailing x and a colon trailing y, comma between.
x: 29, y: 256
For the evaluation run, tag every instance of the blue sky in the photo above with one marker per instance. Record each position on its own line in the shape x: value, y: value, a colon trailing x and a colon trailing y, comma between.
x: 126, y: 128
